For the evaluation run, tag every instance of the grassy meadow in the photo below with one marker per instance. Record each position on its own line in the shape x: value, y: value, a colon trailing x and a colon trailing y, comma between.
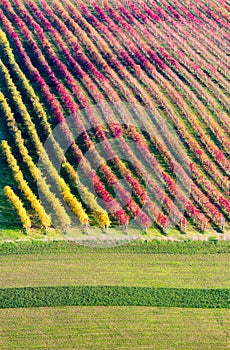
x: 114, y: 328
x: 115, y: 268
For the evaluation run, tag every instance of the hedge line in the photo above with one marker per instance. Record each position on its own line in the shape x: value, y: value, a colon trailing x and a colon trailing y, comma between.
x: 113, y: 296
x: 153, y: 247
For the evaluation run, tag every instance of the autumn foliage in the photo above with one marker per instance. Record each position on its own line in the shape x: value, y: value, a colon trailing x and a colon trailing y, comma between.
x: 58, y: 58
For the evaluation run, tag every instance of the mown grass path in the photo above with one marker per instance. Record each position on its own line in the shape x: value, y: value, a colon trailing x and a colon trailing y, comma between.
x: 121, y: 269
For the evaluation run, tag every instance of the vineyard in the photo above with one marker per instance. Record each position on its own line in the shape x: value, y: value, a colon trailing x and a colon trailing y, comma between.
x: 165, y: 58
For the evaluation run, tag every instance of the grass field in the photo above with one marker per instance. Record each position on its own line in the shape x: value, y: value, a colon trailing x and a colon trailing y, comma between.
x: 155, y: 264
x: 186, y: 247
x: 121, y: 269
x: 114, y: 328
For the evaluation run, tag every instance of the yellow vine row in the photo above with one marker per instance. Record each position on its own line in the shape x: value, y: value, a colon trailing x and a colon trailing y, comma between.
x: 44, y: 188
x: 75, y: 205
x: 100, y: 214
x: 18, y: 205
x: 23, y: 186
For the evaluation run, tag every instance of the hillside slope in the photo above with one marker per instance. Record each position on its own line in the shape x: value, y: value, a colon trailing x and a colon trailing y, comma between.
x: 171, y: 58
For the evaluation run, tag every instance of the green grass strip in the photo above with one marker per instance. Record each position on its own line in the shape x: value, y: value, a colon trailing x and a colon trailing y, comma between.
x: 152, y: 247
x: 113, y: 296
